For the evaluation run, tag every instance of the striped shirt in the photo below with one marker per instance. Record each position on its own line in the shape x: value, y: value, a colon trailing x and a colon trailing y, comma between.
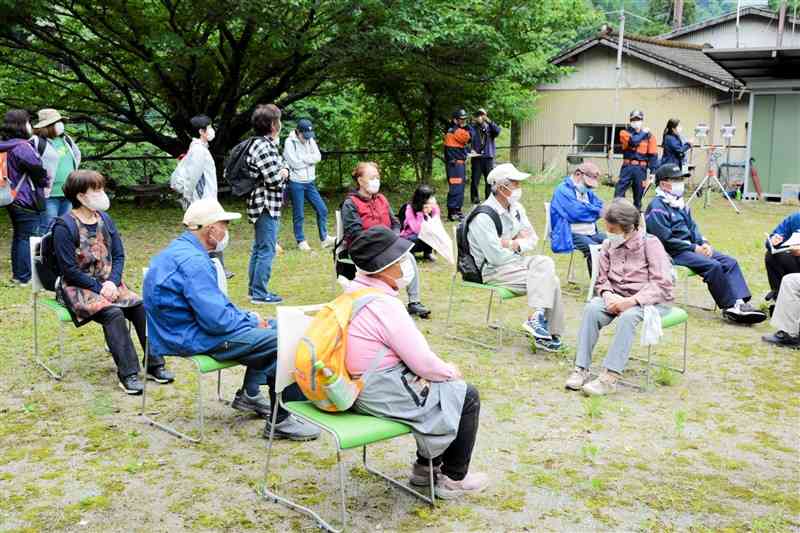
x: 265, y: 164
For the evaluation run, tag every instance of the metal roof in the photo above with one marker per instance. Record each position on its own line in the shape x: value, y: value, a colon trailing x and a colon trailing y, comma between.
x: 725, y: 17
x: 685, y: 59
x: 750, y: 65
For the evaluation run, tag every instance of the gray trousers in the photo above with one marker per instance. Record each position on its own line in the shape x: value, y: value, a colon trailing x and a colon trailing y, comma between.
x: 535, y: 276
x: 595, y: 318
x: 413, y: 288
x: 787, y: 309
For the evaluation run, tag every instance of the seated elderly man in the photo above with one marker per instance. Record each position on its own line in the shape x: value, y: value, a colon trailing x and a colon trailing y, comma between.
x: 403, y: 378
x: 786, y: 317
x: 634, y: 272
x: 502, y: 261
x: 574, y: 211
x: 669, y: 219
x: 188, y: 314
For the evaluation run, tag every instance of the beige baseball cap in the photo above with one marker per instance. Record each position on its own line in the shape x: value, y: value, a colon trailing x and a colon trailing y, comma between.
x: 506, y: 171
x: 206, y: 211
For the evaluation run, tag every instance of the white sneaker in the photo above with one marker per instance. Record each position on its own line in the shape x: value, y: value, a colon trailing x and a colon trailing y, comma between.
x: 577, y: 379
x: 449, y: 489
x: 328, y: 242
x: 603, y: 385
x: 304, y: 246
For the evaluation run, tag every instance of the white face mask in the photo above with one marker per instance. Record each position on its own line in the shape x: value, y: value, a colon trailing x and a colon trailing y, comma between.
x: 96, y: 200
x: 678, y: 188
x: 408, y: 273
x: 515, y: 196
x: 221, y: 245
x: 210, y: 133
x: 373, y: 185
x: 59, y: 129
x: 615, y: 238
x: 636, y: 124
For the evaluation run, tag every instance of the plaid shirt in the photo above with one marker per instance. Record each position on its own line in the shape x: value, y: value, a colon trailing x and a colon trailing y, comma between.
x: 265, y: 163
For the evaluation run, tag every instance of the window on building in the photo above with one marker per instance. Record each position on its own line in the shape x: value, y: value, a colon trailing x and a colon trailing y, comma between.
x: 593, y: 139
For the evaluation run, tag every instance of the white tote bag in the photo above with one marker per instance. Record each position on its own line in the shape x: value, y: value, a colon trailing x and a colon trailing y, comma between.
x: 433, y: 234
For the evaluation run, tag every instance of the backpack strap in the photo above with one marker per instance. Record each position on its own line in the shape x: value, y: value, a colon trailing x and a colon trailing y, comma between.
x: 486, y: 210
x: 40, y: 143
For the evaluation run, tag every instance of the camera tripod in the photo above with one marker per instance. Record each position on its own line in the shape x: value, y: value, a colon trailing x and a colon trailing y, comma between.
x: 714, y: 155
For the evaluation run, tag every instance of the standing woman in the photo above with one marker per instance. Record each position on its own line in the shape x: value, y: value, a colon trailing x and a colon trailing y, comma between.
x: 60, y: 156
x: 28, y: 178
x: 91, y: 259
x: 675, y: 148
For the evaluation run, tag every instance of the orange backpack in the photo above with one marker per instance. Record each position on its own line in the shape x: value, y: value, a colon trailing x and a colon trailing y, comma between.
x: 320, y: 369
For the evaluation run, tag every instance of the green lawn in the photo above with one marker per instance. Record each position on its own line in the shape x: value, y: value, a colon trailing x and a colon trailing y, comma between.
x: 714, y: 450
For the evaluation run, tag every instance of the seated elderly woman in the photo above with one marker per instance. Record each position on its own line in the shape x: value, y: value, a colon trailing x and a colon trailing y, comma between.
x: 403, y: 379
x: 91, y: 259
x: 634, y: 273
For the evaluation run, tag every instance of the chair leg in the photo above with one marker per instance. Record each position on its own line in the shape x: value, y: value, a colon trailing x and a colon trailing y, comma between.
x: 649, y: 367
x: 489, y: 309
x: 200, y: 403
x: 152, y: 421
x: 450, y: 299
x: 342, y: 493
x: 685, y: 345
x: 430, y: 500
x: 570, y: 269
x: 37, y: 357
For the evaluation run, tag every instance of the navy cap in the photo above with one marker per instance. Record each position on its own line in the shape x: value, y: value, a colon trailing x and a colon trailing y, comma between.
x: 670, y: 172
x: 305, y: 127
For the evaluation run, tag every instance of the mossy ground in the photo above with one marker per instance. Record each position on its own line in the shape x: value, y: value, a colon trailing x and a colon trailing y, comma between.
x: 714, y: 450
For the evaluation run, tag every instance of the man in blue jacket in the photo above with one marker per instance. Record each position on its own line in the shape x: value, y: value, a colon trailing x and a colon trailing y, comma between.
x: 669, y: 219
x: 574, y: 211
x: 785, y: 262
x: 483, y: 133
x: 188, y: 314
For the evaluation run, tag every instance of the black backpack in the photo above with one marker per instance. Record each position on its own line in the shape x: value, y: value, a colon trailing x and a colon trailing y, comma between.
x: 47, y: 265
x: 466, y: 263
x: 401, y: 215
x: 237, y: 171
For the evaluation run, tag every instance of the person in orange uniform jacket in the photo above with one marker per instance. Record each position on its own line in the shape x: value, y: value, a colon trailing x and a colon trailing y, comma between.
x: 456, y: 141
x: 640, y: 152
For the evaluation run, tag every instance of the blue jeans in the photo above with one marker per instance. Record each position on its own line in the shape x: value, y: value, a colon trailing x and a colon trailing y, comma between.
x: 721, y: 273
x: 55, y: 206
x: 298, y: 191
x: 262, y: 254
x: 257, y: 349
x: 24, y: 225
x: 631, y: 175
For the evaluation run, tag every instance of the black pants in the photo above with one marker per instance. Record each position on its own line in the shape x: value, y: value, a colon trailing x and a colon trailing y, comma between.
x: 481, y: 166
x: 113, y: 319
x: 455, y: 459
x: 778, y: 265
x: 420, y: 247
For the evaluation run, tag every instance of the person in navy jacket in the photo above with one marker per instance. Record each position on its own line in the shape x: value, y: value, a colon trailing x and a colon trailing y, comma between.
x: 669, y: 219
x: 574, y: 211
x: 778, y: 265
x: 675, y: 149
x: 483, y: 133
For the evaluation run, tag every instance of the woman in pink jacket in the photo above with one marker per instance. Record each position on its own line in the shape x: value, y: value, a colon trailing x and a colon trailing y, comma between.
x: 422, y: 207
x: 403, y: 379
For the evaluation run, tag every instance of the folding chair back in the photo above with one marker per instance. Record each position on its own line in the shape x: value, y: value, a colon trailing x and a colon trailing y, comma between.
x: 594, y: 251
x: 292, y: 325
x: 339, y: 227
x: 36, y: 283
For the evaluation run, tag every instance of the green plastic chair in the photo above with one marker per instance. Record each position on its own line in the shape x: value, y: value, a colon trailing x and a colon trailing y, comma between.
x: 675, y: 317
x: 683, y: 273
x: 203, y: 364
x: 349, y: 430
x: 60, y: 313
x: 502, y: 294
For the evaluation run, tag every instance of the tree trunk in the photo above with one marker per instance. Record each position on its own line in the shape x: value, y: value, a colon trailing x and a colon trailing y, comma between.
x: 516, y: 140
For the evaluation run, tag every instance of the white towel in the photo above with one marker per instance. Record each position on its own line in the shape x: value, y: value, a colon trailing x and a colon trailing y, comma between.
x: 651, y: 326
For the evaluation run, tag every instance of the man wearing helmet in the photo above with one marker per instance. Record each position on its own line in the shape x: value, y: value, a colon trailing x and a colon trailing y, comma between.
x: 640, y: 152
x: 455, y: 157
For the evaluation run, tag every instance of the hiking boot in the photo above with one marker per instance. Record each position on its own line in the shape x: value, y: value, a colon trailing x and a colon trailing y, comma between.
x: 549, y: 345
x: 448, y: 489
x: 420, y: 474
x: 781, y: 338
x: 605, y: 383
x: 416, y: 308
x: 744, y: 314
x: 292, y: 428
x: 303, y: 245
x: 536, y: 326
x: 131, y: 385
x: 328, y: 242
x: 160, y: 374
x: 257, y: 404
x: 577, y: 379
